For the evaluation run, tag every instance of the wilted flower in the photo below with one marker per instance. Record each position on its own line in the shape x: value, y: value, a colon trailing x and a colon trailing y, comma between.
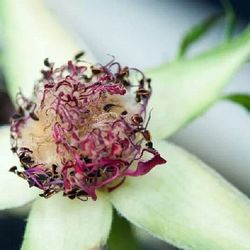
x: 84, y: 128
x: 54, y: 134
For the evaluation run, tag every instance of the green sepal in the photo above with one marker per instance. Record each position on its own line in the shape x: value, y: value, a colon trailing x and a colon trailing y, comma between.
x: 197, y: 32
x: 240, y: 99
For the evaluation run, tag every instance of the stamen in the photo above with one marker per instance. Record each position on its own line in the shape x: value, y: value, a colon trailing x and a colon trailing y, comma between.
x: 84, y: 129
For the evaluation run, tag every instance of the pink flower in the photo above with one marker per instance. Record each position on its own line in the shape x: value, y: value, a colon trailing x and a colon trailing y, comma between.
x: 84, y: 128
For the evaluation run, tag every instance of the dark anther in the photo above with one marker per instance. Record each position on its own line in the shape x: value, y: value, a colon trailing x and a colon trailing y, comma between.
x: 20, y: 110
x: 149, y: 144
x: 47, y: 63
x: 71, y: 192
x: 137, y: 119
x: 25, y: 149
x: 13, y: 169
x: 34, y: 116
x: 108, y: 107
x: 86, y: 159
x: 17, y: 116
x: 24, y: 167
x: 48, y: 193
x: 109, y: 169
x: 72, y: 173
x: 80, y: 194
x: 41, y: 177
x: 142, y: 92
x: 96, y: 173
x: 138, y: 98
x: 96, y: 71
x: 14, y: 149
x: 124, y: 72
x: 146, y: 135
x: 86, y: 78
x: 49, y: 174
x: 29, y: 106
x: 125, y: 83
x: 141, y: 83
x: 31, y: 183
x: 25, y: 159
x: 79, y: 55
x: 72, y: 196
x: 54, y: 167
x: 149, y: 82
x: 124, y: 112
x: 21, y: 174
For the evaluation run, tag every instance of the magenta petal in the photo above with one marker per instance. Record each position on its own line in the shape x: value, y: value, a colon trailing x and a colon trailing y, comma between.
x: 144, y: 167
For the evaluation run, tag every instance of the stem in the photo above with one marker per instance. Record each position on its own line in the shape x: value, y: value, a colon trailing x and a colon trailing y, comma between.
x: 121, y: 236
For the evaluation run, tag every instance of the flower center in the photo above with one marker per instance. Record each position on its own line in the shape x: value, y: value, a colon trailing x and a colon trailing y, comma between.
x: 84, y: 128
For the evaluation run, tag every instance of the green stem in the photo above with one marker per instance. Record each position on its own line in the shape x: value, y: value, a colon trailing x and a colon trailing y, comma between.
x: 121, y: 236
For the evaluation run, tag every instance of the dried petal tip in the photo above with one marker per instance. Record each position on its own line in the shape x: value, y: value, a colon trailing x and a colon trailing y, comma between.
x: 84, y: 128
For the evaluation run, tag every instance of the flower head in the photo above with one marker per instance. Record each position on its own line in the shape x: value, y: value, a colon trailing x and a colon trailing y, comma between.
x: 84, y: 128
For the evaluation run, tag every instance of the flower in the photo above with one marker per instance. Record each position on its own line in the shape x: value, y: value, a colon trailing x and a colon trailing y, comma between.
x: 83, y: 129
x: 186, y: 203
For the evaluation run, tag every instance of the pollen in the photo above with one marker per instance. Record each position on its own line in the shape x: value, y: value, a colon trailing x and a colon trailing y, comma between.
x: 84, y: 128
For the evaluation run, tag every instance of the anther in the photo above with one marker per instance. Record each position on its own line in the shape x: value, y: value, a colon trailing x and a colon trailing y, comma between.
x: 79, y: 55
x: 13, y: 169
x: 108, y: 107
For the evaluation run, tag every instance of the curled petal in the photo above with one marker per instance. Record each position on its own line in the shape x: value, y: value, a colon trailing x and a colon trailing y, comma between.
x: 144, y: 167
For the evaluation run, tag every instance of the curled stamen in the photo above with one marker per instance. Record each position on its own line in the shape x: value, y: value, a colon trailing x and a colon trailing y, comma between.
x: 84, y: 129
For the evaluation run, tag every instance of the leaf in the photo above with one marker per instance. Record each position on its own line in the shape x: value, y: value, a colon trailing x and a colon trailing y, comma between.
x: 121, y: 235
x: 31, y: 34
x: 14, y: 190
x: 231, y: 19
x: 197, y: 32
x: 241, y: 99
x: 187, y: 204
x: 185, y: 89
x: 62, y: 224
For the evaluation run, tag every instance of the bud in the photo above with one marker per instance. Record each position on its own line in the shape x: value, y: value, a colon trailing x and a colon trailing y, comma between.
x: 85, y: 128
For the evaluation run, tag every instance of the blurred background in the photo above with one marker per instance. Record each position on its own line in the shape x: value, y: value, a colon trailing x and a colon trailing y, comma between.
x: 143, y: 34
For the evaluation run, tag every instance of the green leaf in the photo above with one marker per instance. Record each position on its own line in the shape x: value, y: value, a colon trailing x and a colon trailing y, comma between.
x: 62, y: 224
x: 241, y: 99
x: 184, y: 89
x: 231, y: 19
x: 14, y: 190
x: 187, y: 204
x: 121, y: 235
x: 31, y: 35
x: 197, y: 32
